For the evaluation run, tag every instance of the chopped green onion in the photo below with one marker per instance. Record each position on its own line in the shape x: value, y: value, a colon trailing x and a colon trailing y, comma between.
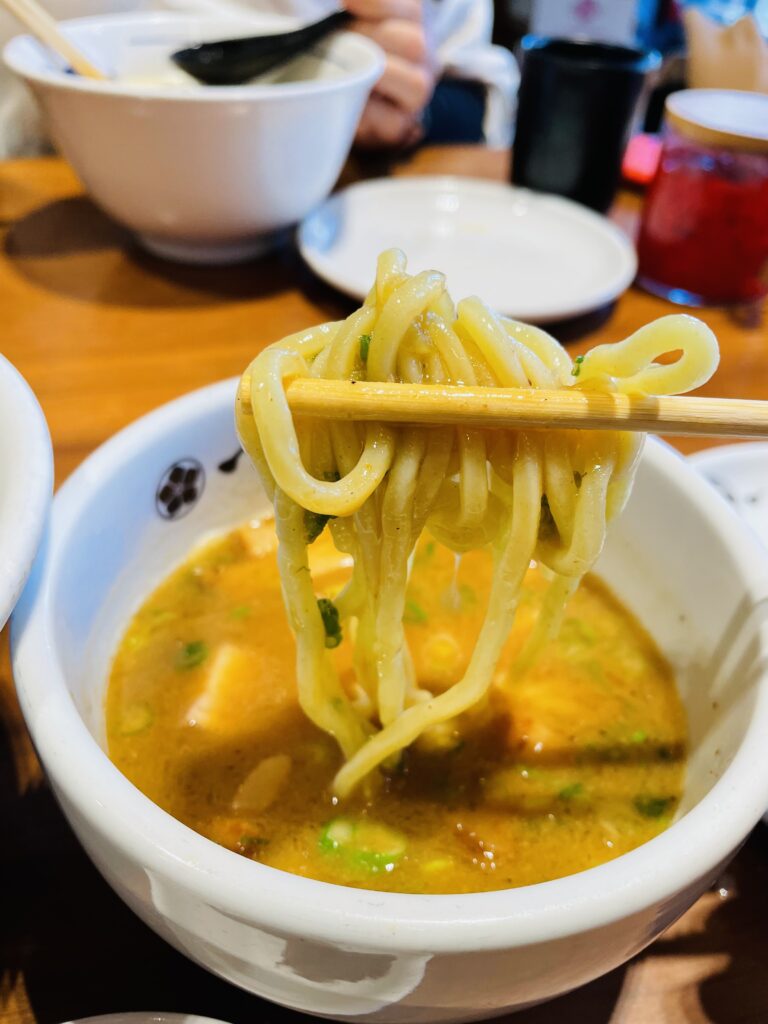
x: 135, y: 719
x: 576, y: 631
x: 365, y: 844
x: 414, y: 614
x: 576, y: 370
x: 365, y: 344
x: 569, y: 792
x: 337, y: 834
x: 191, y: 655
x: 329, y: 613
x: 248, y: 845
x: 314, y: 524
x: 653, y: 806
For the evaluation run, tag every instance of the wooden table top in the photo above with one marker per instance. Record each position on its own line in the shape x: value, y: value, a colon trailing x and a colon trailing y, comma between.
x: 104, y: 333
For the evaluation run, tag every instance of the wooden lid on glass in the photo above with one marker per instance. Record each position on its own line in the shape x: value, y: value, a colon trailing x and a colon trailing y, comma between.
x: 729, y: 118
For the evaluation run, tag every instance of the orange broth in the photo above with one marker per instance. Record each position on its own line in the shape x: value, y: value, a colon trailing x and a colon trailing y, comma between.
x: 579, y: 760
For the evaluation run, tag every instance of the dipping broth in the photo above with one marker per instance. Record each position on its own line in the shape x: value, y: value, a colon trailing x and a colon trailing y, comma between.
x: 576, y: 762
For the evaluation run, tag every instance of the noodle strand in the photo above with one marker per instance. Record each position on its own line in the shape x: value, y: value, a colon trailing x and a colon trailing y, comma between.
x: 523, y: 495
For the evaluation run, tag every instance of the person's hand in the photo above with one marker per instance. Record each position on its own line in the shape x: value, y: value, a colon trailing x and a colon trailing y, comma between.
x: 392, y: 116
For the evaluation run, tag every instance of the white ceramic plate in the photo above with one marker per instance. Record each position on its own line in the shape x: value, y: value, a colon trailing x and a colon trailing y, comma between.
x: 528, y: 255
x: 26, y: 480
x: 740, y: 473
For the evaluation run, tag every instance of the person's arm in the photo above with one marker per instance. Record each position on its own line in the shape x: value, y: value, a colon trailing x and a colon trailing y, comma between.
x: 444, y: 80
x: 393, y: 115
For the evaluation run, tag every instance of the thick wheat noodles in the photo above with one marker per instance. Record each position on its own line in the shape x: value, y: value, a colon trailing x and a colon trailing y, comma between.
x: 546, y: 495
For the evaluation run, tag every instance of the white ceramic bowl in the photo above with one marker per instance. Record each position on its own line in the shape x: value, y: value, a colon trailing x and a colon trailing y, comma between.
x: 26, y: 482
x: 201, y: 173
x: 678, y: 557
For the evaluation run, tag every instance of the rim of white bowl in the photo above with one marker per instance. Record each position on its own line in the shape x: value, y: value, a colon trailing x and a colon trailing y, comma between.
x: 359, y: 918
x: 205, y: 94
x: 26, y: 495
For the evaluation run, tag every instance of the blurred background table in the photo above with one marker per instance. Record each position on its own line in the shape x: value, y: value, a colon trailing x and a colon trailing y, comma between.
x: 104, y: 333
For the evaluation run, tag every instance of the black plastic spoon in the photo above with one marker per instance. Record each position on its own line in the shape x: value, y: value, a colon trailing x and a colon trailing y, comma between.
x: 234, y: 61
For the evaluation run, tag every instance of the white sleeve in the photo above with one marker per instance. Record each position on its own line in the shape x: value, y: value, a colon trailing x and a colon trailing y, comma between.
x: 461, y: 30
x: 461, y: 34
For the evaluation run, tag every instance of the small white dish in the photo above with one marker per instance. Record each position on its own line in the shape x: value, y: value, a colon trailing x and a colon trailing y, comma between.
x: 26, y: 483
x: 740, y: 473
x: 531, y: 256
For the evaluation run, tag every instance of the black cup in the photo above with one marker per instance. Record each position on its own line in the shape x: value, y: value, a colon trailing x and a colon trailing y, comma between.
x: 575, y: 109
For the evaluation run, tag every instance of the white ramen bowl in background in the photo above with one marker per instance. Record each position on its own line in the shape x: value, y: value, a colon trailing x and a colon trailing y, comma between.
x: 201, y: 174
x: 677, y: 557
x: 26, y: 483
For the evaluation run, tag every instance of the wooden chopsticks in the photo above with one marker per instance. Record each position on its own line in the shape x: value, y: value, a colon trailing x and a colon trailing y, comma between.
x: 42, y: 25
x: 496, y: 408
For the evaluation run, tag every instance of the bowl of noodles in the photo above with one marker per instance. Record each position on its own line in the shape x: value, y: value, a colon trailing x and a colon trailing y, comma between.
x: 26, y: 481
x: 373, y: 718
